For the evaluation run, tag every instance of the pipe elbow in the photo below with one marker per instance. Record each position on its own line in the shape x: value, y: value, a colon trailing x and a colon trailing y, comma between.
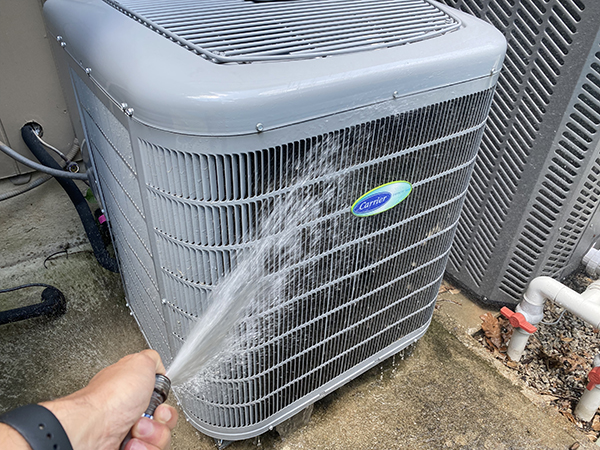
x: 538, y: 291
x: 586, y: 306
x: 541, y: 289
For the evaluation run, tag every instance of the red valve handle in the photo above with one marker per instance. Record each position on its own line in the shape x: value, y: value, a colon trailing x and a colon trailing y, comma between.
x: 517, y: 320
x: 593, y: 378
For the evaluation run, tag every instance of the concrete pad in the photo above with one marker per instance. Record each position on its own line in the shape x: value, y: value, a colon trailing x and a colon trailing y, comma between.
x: 44, y: 358
x: 440, y: 397
x: 446, y: 395
x: 37, y: 223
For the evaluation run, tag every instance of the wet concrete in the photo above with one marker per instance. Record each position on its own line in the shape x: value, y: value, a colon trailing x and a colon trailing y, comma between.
x: 46, y: 358
x: 446, y: 395
x: 37, y: 223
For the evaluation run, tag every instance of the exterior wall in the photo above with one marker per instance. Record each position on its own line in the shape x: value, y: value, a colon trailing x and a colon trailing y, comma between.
x: 29, y: 84
x: 43, y: 220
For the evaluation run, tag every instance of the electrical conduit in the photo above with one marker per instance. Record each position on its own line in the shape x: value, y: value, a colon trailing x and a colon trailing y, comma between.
x: 39, y: 180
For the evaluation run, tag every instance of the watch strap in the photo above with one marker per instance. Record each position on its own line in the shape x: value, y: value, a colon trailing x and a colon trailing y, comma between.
x: 38, y: 426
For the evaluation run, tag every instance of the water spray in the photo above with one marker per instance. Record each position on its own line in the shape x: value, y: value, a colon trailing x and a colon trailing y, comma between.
x: 162, y: 385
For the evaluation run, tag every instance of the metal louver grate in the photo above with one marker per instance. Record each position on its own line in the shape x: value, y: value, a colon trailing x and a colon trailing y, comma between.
x: 526, y: 210
x: 245, y: 31
x: 371, y: 286
x: 577, y: 138
x: 523, y: 93
x: 110, y: 148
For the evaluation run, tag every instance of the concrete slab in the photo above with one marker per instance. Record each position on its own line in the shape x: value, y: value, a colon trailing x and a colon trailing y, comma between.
x: 446, y: 395
x: 37, y: 223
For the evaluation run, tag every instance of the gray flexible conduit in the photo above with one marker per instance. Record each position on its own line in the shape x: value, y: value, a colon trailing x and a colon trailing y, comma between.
x: 51, y: 170
x: 39, y: 180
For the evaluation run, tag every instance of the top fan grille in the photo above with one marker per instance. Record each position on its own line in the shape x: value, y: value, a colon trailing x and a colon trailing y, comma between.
x: 246, y: 31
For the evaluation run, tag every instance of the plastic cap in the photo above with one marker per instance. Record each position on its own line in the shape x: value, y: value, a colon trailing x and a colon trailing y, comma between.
x: 518, y: 320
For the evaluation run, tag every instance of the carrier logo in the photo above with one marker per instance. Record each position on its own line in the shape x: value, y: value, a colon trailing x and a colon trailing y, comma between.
x: 381, y: 198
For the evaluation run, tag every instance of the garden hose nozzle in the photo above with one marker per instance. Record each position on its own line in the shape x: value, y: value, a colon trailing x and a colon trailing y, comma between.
x: 162, y: 385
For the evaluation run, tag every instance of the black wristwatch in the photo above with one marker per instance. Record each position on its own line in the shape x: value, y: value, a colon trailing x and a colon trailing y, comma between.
x: 39, y: 427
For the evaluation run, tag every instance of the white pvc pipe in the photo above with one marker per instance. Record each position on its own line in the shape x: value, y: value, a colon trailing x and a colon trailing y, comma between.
x: 586, y: 306
x: 541, y: 289
x: 517, y: 344
x: 591, y: 261
x: 590, y: 399
x: 588, y: 404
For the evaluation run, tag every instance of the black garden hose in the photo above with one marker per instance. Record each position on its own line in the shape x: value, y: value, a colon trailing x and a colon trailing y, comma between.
x: 53, y: 304
x: 81, y: 205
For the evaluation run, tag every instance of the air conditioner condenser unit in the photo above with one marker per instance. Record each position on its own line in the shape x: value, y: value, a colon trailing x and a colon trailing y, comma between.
x: 202, y: 118
x: 532, y: 208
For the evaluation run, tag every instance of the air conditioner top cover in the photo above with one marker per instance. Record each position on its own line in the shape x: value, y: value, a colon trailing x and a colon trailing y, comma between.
x: 219, y: 68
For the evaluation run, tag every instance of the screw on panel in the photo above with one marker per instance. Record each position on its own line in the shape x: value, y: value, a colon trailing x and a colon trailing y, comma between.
x: 127, y: 109
x: 396, y: 94
x: 59, y: 38
x: 88, y: 70
x: 259, y: 127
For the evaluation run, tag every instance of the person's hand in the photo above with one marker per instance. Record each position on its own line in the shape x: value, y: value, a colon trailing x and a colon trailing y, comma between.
x: 100, y: 415
x: 153, y: 434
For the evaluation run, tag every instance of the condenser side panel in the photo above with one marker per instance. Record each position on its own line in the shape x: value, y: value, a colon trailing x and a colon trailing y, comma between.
x: 567, y: 192
x: 545, y: 41
x: 116, y: 174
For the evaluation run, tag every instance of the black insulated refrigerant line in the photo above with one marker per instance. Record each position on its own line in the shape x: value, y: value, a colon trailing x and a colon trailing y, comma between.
x: 81, y: 205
